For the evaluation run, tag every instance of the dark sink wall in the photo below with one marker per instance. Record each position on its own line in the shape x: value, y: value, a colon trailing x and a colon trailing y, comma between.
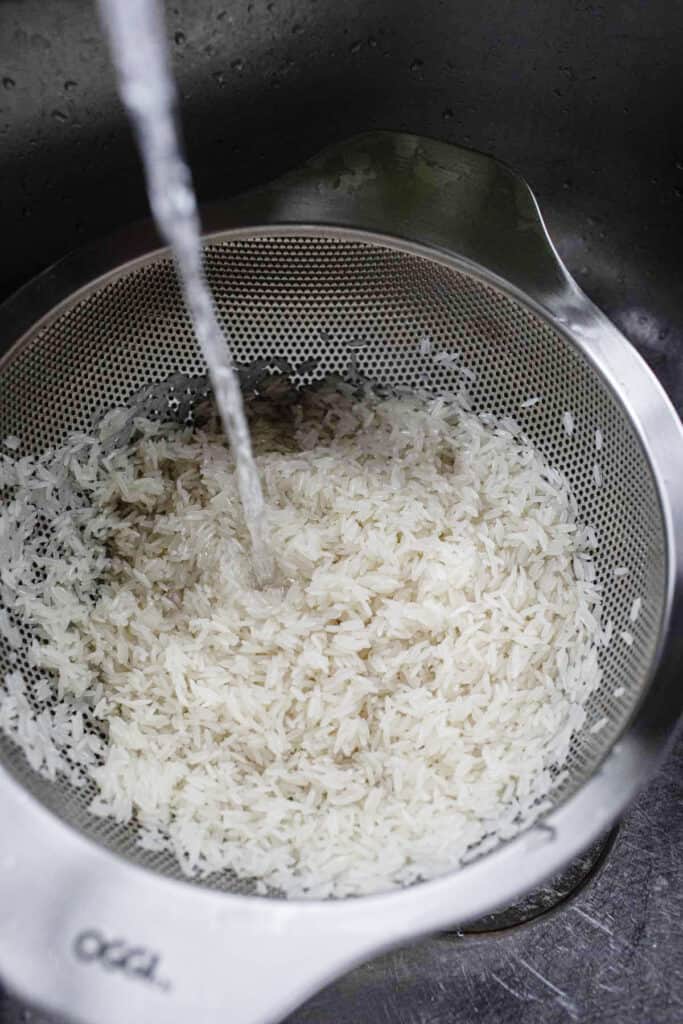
x: 584, y: 98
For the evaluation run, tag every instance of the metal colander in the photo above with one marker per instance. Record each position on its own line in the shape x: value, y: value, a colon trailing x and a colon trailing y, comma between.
x: 303, y: 292
x: 323, y: 297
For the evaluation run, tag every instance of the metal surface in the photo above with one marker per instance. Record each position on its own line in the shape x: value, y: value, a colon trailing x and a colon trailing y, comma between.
x: 612, y: 955
x: 583, y: 97
x: 521, y: 348
x: 310, y: 297
x: 549, y: 898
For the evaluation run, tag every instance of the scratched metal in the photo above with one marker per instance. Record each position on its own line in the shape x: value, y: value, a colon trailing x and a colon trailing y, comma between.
x: 594, y: 128
x: 613, y: 955
x: 549, y: 896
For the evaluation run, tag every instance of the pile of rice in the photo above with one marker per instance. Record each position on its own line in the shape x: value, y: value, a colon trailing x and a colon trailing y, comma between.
x: 403, y: 694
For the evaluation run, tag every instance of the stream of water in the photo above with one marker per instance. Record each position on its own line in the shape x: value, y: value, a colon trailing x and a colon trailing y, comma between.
x: 137, y: 38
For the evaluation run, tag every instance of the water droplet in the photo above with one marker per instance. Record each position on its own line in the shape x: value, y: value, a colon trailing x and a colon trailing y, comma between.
x: 372, y: 42
x: 69, y: 85
x: 417, y: 64
x: 297, y: 30
x: 678, y: 192
x: 679, y: 165
x: 447, y: 114
x: 60, y: 116
x: 219, y: 76
x: 355, y: 47
x: 237, y: 65
x: 179, y: 38
x: 567, y: 183
x: 270, y: 8
x: 221, y: 15
x: 8, y: 83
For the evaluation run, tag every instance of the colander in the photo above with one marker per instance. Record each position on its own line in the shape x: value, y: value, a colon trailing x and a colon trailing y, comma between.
x: 368, y: 248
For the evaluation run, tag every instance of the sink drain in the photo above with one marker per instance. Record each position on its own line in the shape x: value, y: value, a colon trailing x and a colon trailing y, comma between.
x: 547, y: 898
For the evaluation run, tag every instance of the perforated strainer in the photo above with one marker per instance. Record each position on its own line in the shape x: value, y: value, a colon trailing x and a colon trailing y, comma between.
x: 373, y: 245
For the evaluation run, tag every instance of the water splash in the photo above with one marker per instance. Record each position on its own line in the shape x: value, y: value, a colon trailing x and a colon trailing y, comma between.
x: 137, y: 38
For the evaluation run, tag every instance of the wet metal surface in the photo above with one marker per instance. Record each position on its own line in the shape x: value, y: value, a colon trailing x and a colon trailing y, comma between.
x: 549, y: 898
x: 613, y: 955
x: 581, y: 97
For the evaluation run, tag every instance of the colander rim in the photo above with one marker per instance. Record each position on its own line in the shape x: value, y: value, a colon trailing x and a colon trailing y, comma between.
x: 529, y: 857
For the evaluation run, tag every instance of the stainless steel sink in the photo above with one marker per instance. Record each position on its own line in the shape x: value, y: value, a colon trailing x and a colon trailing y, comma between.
x: 582, y: 97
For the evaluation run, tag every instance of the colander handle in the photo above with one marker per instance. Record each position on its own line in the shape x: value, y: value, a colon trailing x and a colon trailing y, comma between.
x: 97, y: 940
x: 93, y: 938
x: 428, y: 193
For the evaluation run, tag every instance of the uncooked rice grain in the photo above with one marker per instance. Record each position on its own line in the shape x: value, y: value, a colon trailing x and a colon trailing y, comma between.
x: 397, y: 703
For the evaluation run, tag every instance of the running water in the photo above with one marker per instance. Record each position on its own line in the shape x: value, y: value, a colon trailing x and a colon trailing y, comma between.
x: 137, y: 38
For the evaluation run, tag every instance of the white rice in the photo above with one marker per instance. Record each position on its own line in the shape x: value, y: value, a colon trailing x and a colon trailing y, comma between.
x: 530, y: 402
x: 568, y: 423
x: 598, y: 439
x: 447, y: 359
x: 635, y: 608
x: 401, y: 695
